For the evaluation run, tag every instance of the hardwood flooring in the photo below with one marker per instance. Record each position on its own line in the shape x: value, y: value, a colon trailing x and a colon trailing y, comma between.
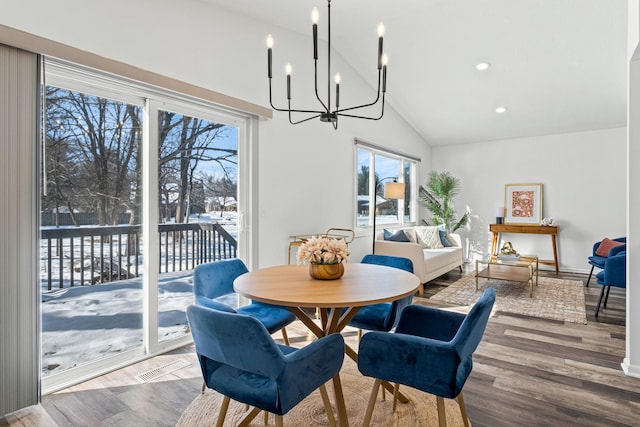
x: 527, y: 372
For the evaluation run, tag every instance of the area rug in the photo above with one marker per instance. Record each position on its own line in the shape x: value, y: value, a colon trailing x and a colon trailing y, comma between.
x: 552, y: 299
x: 421, y: 410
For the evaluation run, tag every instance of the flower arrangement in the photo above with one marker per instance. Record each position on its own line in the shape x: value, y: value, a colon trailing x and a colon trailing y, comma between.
x: 323, y: 250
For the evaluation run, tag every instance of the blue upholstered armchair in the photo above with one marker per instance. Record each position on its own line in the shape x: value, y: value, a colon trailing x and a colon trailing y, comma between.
x: 214, y: 280
x: 241, y: 361
x: 384, y: 316
x: 614, y: 273
x: 598, y: 260
x: 430, y: 350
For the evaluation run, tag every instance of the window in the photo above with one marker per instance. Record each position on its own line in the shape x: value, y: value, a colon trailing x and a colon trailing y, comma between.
x: 375, y: 167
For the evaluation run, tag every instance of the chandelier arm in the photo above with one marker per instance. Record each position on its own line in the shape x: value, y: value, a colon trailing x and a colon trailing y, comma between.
x: 363, y: 117
x: 289, y: 109
x: 364, y: 105
x: 303, y: 120
x: 315, y: 66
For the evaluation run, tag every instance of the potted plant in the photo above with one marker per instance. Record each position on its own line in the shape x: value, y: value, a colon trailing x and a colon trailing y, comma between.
x: 437, y: 198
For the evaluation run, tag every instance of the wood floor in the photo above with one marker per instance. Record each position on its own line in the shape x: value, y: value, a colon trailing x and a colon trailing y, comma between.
x: 527, y: 372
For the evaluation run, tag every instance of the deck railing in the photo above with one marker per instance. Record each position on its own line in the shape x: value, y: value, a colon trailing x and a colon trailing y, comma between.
x: 90, y: 255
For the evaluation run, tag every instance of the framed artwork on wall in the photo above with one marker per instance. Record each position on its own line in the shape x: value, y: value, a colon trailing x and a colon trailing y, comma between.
x: 523, y: 203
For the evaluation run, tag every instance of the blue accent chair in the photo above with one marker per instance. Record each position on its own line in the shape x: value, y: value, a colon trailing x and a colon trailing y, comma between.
x: 431, y: 350
x: 598, y: 261
x: 614, y: 273
x: 384, y: 316
x: 213, y: 281
x: 240, y: 360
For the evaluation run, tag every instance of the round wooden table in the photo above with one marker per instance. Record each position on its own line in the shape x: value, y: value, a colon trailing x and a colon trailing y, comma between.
x: 362, y: 284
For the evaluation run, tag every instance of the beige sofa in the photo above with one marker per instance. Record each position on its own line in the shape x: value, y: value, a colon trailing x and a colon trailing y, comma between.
x: 428, y: 262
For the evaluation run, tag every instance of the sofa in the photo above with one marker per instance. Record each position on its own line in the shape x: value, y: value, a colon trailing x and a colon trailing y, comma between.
x: 432, y: 251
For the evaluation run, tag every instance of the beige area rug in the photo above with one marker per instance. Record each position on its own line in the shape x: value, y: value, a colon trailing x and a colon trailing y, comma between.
x: 552, y: 299
x: 420, y: 411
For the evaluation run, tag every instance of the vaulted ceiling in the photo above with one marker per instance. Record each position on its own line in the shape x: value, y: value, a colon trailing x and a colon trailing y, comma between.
x: 557, y: 65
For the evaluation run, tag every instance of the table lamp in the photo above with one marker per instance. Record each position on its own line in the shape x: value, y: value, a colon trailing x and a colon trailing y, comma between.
x: 499, y: 214
x: 392, y: 191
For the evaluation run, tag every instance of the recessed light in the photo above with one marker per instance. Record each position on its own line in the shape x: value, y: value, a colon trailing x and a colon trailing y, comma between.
x: 482, y: 66
x: 501, y: 110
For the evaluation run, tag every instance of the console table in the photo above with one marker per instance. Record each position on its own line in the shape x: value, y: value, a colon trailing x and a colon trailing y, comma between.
x: 551, y: 230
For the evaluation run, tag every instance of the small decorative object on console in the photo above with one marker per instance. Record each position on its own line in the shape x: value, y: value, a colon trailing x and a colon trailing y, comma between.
x: 548, y: 221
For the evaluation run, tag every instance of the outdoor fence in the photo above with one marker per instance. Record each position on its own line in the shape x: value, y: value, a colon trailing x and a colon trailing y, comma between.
x: 91, y: 255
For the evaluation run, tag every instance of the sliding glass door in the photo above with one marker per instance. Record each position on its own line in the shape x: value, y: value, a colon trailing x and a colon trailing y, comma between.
x: 139, y: 186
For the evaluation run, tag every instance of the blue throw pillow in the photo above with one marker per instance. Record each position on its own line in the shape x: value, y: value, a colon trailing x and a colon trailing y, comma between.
x: 398, y: 236
x: 442, y: 230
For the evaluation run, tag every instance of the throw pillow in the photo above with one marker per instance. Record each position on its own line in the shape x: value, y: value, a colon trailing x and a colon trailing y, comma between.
x: 442, y: 230
x: 411, y: 234
x: 398, y: 236
x: 605, y: 247
x: 428, y: 236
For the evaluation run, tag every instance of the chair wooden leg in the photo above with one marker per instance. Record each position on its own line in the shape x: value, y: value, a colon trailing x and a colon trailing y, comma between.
x: 442, y: 416
x: 327, y: 405
x: 600, y: 300
x: 359, y: 335
x: 384, y: 396
x: 285, y: 337
x: 372, y: 403
x: 590, y: 273
x: 279, y: 422
x: 204, y: 385
x: 223, y: 411
x: 249, y: 417
x: 463, y: 410
x: 396, y: 391
x: 266, y: 417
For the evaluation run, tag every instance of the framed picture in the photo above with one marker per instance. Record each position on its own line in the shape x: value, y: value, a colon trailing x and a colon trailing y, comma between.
x: 523, y: 203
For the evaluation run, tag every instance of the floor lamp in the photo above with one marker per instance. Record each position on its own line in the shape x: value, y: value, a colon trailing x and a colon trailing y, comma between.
x: 392, y: 191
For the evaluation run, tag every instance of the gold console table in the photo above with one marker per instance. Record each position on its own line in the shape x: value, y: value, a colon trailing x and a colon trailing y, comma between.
x: 551, y: 230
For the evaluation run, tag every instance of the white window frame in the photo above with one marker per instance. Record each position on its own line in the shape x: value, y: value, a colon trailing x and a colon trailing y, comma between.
x: 373, y: 150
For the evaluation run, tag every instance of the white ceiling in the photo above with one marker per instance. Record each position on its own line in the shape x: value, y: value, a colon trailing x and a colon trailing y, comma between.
x: 557, y: 65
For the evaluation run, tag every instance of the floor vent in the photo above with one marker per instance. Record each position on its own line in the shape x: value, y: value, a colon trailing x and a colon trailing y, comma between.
x: 152, y: 374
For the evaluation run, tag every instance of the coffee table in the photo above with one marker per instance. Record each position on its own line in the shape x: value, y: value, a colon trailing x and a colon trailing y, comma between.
x: 521, y: 270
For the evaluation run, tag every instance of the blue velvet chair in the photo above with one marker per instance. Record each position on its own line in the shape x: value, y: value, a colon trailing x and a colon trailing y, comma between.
x: 431, y: 350
x: 213, y: 282
x: 384, y: 316
x: 240, y: 360
x: 598, y: 261
x: 614, y: 273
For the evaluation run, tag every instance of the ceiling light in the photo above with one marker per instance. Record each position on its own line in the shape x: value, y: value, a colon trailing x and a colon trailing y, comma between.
x: 482, y: 66
x: 325, y: 112
x: 501, y: 110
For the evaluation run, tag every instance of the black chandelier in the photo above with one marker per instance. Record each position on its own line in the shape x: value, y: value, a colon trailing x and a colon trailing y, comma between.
x: 326, y: 114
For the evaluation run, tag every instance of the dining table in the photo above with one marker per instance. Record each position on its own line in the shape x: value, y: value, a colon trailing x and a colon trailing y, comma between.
x: 337, y: 300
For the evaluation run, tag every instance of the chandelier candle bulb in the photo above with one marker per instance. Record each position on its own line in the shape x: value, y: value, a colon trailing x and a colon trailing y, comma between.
x: 288, y: 71
x: 337, y: 90
x: 269, y: 54
x: 314, y: 20
x: 380, y: 34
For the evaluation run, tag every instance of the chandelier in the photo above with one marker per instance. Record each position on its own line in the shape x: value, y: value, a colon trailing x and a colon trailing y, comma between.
x: 325, y: 111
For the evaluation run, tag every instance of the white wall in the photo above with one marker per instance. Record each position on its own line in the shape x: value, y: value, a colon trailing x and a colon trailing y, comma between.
x: 305, y: 171
x: 584, y: 189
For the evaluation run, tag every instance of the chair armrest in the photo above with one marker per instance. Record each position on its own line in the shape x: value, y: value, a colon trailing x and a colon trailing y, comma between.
x: 615, y: 269
x: 617, y: 249
x: 398, y: 357
x: 317, y: 362
x: 413, y: 251
x: 429, y: 322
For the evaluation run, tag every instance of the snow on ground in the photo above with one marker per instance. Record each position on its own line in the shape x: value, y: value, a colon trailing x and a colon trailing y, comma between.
x: 85, y: 323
